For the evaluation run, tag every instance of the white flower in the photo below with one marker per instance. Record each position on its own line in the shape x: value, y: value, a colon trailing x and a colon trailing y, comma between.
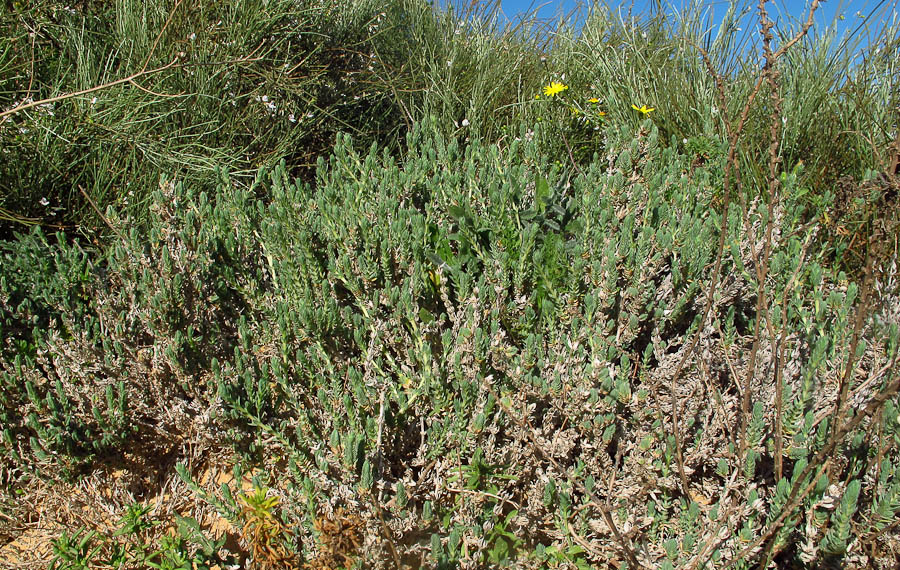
x: 265, y: 99
x: 45, y: 202
x: 465, y: 122
x: 192, y: 37
x: 292, y: 118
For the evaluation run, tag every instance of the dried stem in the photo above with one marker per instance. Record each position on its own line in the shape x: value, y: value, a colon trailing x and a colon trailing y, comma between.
x: 770, y: 73
x: 129, y: 79
x: 861, y: 312
x: 778, y: 351
x: 733, y: 136
x: 99, y: 213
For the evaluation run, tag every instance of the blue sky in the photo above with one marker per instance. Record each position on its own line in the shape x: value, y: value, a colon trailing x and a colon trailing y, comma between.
x: 847, y: 15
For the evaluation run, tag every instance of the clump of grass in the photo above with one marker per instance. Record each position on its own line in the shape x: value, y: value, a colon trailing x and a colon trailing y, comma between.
x: 233, y: 86
x: 840, y: 97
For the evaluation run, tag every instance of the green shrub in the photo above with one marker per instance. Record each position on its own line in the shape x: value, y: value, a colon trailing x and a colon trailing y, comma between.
x: 462, y: 290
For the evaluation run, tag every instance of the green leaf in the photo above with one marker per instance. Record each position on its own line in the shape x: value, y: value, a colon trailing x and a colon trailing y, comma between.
x: 541, y: 193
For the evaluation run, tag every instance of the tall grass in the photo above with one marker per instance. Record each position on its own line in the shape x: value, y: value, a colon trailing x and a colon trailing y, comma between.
x: 252, y: 83
x: 258, y: 82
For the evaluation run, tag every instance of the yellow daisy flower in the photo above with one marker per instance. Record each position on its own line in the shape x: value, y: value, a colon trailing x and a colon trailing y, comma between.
x: 554, y: 88
x: 642, y: 109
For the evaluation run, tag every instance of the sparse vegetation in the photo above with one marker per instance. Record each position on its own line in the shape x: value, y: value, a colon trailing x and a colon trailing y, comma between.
x: 324, y: 284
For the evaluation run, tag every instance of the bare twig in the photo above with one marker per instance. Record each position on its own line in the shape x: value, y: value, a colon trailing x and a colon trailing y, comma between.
x: 9, y: 216
x: 571, y: 156
x: 130, y: 79
x: 714, y: 283
x: 770, y: 72
x: 778, y: 351
x: 99, y: 213
x: 160, y: 34
x: 861, y: 312
x: 734, y: 134
x: 387, y: 534
x: 64, y: 96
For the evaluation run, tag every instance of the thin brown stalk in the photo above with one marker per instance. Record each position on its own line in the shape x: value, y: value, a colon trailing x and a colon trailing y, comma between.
x: 797, y: 495
x: 778, y: 351
x: 31, y: 64
x: 156, y: 94
x: 770, y: 73
x: 859, y: 320
x: 99, y: 213
x: 894, y: 167
x: 386, y: 531
x: 160, y: 35
x: 65, y: 96
x: 130, y: 79
x: 571, y: 156
x: 734, y: 136
x: 9, y: 216
x: 711, y: 543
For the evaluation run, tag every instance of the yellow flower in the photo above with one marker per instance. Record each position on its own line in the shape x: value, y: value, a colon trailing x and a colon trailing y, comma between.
x: 593, y: 100
x: 554, y: 88
x: 601, y: 113
x: 642, y: 109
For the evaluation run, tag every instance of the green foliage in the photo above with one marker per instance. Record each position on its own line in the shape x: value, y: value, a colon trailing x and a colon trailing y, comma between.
x: 838, y: 535
x: 76, y: 551
x: 502, y: 543
x: 887, y: 502
x: 387, y: 293
x: 188, y: 549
